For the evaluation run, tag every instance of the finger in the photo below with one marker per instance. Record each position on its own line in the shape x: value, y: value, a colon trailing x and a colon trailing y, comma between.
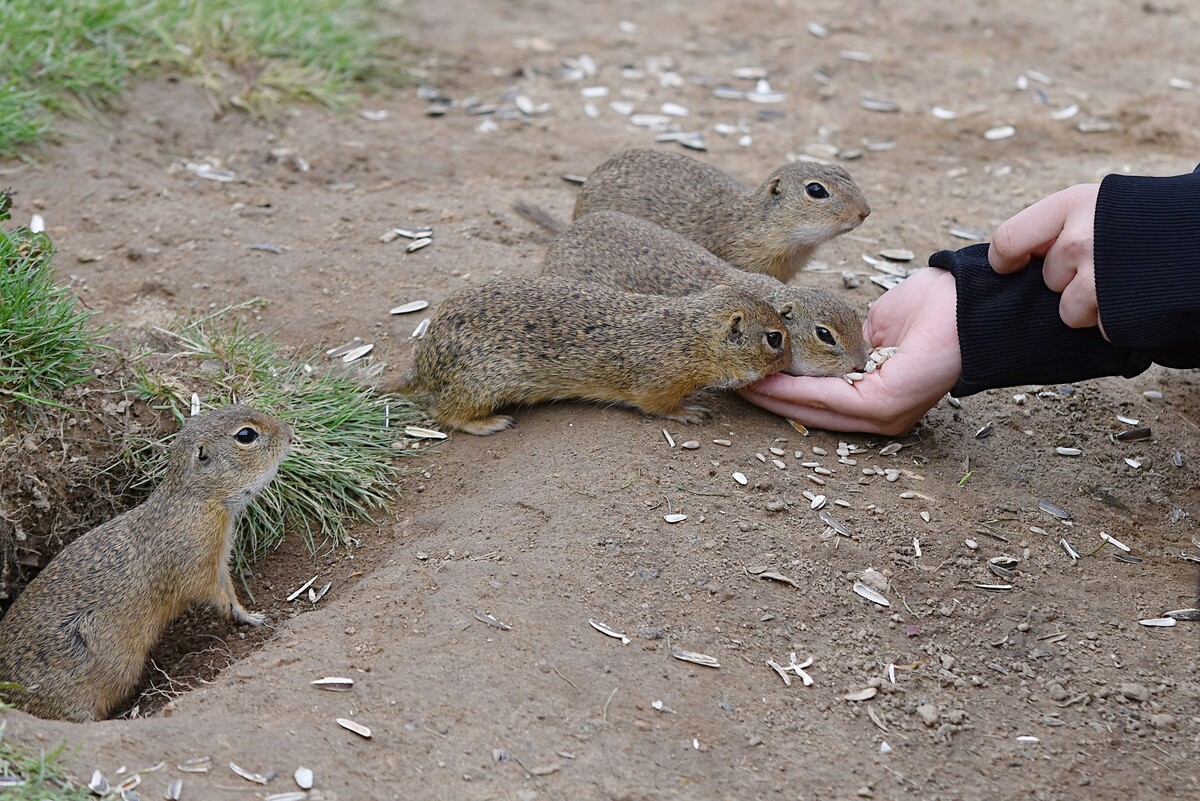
x: 1057, y: 271
x: 821, y: 418
x: 1077, y: 307
x: 1027, y: 230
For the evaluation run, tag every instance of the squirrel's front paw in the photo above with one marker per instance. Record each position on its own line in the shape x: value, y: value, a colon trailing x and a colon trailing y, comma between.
x: 240, y: 615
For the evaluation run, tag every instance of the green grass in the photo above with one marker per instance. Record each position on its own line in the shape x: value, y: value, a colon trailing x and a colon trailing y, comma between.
x: 78, y: 56
x: 43, y: 780
x: 342, y: 464
x: 46, y: 342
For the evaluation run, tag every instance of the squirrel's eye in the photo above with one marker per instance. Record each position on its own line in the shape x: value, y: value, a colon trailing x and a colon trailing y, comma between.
x: 774, y: 340
x: 246, y: 436
x: 816, y: 191
x: 825, y: 335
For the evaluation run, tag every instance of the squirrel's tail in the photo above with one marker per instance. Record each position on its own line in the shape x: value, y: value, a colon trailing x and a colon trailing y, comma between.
x: 539, y: 216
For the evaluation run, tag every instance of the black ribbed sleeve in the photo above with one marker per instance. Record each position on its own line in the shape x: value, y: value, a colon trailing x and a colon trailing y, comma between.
x: 1010, y: 333
x: 1147, y: 250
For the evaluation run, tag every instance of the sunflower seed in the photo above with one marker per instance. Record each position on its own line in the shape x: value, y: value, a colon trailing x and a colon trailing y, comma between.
x: 1061, y: 451
x: 98, y: 784
x: 986, y: 431
x: 1177, y: 458
x: 696, y: 658
x: 740, y: 478
x: 1159, y: 622
x: 1183, y: 614
x: 779, y: 463
x: 1134, y: 434
x: 817, y: 29
x: 834, y: 524
x: 724, y: 442
x: 195, y: 765
x: 337, y: 684
x: 890, y: 448
x: 1003, y: 566
x: 879, y: 104
x: 818, y: 502
x: 1134, y: 463
x: 728, y: 93
x: 303, y: 587
x: 1181, y: 83
x: 999, y: 132
x: 674, y: 110
x: 855, y: 55
x: 594, y: 91
x: 776, y: 576
x: 690, y: 445
x: 249, y: 776
x: 967, y: 233
x: 409, y: 307
x: 675, y: 518
x: 670, y: 440
x: 174, y: 789
x: 1094, y: 125
x: 418, y: 244
x: 487, y: 619
x: 357, y: 353
x: 944, y: 113
x: 1054, y: 509
x: 1065, y: 113
x: 342, y: 350
x: 421, y: 328
x: 1114, y: 542
x: 289, y: 795
x: 357, y: 728
x: 870, y: 594
x: 304, y: 778
x: 603, y: 629
x: 423, y: 433
x: 1126, y: 558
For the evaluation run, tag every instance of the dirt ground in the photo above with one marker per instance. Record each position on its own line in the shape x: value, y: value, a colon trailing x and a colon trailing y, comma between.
x: 561, y: 519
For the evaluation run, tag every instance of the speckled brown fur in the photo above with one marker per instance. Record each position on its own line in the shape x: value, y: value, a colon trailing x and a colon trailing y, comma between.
x: 530, y: 340
x: 77, y: 638
x: 630, y: 253
x: 773, y: 229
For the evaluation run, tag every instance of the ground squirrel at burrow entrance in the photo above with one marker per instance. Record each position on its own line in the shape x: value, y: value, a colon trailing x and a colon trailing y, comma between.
x: 77, y: 638
x: 630, y: 253
x: 773, y: 229
x: 518, y: 341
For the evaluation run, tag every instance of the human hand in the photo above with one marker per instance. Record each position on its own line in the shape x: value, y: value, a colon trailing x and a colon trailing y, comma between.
x: 1060, y: 229
x: 918, y: 317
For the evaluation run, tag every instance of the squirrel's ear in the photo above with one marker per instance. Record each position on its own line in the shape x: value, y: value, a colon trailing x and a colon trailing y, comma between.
x: 788, y: 310
x: 734, y: 326
x: 775, y: 187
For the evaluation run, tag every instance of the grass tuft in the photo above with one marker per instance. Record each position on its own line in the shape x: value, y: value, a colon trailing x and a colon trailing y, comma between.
x: 46, y: 343
x: 77, y: 57
x: 34, y: 777
x: 342, y: 464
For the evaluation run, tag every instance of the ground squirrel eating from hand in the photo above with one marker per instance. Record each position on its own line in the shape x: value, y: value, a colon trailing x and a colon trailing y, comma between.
x: 773, y: 229
x: 637, y: 255
x: 530, y: 340
x: 76, y: 639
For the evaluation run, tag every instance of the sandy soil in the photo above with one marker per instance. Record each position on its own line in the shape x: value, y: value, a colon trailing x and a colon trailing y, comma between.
x: 561, y: 519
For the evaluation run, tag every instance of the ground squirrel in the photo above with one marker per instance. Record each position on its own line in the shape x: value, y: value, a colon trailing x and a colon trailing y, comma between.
x: 76, y: 640
x: 520, y: 341
x: 637, y: 255
x: 773, y: 229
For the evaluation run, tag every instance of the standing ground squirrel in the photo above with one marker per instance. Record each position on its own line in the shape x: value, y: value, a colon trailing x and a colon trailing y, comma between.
x: 77, y: 638
x: 773, y: 229
x: 637, y: 255
x: 529, y: 340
